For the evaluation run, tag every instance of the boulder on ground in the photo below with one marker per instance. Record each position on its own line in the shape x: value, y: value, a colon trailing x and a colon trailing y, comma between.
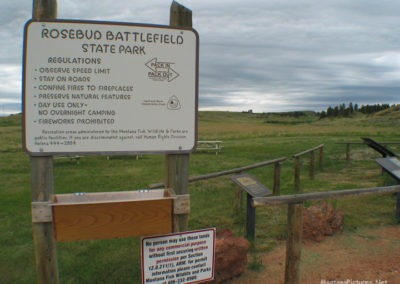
x: 321, y: 220
x: 230, y: 256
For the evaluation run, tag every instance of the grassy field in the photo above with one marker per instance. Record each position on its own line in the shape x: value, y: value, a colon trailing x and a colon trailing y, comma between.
x: 247, y: 138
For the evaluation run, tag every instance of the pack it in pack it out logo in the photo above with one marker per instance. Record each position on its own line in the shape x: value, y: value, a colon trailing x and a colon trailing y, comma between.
x: 161, y: 71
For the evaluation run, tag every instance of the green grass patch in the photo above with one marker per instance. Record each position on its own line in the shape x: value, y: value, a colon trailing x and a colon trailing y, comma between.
x: 247, y: 138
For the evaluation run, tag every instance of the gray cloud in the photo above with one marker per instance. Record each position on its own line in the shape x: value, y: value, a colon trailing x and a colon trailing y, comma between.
x: 275, y: 55
x: 306, y: 55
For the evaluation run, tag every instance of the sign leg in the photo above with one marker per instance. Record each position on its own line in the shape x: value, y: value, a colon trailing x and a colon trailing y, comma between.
x: 251, y: 219
x: 43, y: 233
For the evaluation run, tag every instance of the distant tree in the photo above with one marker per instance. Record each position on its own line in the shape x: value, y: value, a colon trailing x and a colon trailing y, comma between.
x: 322, y: 114
x: 329, y: 112
x: 351, y: 109
x: 336, y: 111
x: 342, y: 108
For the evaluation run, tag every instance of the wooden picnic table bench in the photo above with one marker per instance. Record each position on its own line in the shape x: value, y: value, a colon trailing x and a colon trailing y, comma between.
x: 209, y: 145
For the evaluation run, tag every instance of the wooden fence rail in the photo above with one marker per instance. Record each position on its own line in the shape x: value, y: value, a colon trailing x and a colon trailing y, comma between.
x: 297, y: 164
x: 349, y: 143
x: 277, y: 173
x: 295, y: 219
x: 333, y: 194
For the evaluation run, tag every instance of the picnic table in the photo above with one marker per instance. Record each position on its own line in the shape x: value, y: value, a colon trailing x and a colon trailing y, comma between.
x: 209, y: 146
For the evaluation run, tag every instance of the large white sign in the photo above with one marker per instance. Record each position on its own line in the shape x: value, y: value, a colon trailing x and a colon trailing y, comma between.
x: 186, y: 257
x: 95, y: 87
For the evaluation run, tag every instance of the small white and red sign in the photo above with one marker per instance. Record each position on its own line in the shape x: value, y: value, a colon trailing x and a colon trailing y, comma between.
x: 185, y: 257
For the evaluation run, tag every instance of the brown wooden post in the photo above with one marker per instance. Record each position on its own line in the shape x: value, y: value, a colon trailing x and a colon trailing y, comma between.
x: 312, y: 164
x: 42, y: 175
x: 295, y: 231
x: 277, y: 178
x: 293, y: 243
x: 348, y: 152
x: 238, y: 199
x: 43, y: 232
x: 177, y: 179
x: 180, y: 16
x: 178, y: 164
x: 321, y: 159
x: 44, y: 9
x: 250, y: 218
x: 297, y: 166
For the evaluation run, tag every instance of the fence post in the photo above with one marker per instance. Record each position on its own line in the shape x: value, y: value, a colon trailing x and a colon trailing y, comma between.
x: 321, y: 159
x: 293, y: 243
x: 250, y: 219
x: 297, y: 174
x: 295, y: 231
x: 238, y: 199
x: 42, y: 182
x: 312, y: 163
x: 178, y: 164
x: 277, y: 178
x: 347, y: 152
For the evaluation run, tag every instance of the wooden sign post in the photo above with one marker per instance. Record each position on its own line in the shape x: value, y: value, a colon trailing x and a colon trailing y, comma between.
x: 177, y: 176
x: 42, y: 169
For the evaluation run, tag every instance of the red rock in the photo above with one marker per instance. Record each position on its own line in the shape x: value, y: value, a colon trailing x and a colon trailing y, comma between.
x: 230, y: 256
x: 321, y: 220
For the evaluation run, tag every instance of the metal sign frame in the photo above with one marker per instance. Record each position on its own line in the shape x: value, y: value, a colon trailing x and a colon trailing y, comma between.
x: 155, y: 112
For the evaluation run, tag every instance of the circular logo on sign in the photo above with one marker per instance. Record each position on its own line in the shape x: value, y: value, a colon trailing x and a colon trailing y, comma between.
x: 173, y: 103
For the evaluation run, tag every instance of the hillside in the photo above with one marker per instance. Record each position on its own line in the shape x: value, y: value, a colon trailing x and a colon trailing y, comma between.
x: 11, y: 120
x: 294, y: 117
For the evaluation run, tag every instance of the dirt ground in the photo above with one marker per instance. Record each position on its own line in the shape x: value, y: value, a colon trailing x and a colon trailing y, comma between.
x: 370, y: 256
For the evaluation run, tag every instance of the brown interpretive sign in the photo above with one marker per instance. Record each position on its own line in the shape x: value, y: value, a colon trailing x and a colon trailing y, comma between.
x: 105, y: 87
x: 251, y: 185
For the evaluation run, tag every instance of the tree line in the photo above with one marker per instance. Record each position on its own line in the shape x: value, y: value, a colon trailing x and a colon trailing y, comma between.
x: 344, y: 110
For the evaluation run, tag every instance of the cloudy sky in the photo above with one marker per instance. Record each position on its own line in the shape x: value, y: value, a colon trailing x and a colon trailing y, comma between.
x: 264, y: 55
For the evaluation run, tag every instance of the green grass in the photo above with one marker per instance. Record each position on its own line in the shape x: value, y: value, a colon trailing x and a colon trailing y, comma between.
x: 247, y: 139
